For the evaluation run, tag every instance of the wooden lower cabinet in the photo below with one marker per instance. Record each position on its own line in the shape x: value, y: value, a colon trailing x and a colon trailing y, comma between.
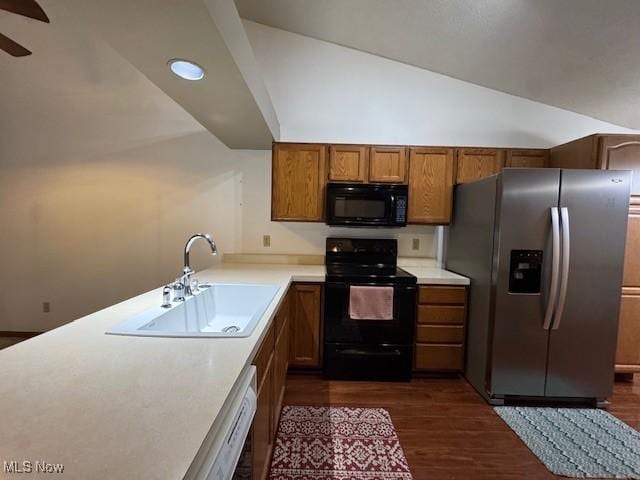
x: 271, y: 361
x: 262, y: 435
x: 440, y: 334
x: 628, y: 353
x: 440, y: 329
x: 442, y: 314
x: 281, y: 359
x: 305, y: 328
x: 438, y: 295
x: 440, y: 357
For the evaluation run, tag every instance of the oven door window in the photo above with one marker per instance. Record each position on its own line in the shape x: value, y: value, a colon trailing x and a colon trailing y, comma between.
x: 353, y: 207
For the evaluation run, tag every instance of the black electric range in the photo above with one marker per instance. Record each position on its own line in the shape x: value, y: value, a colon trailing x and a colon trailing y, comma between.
x: 367, y: 349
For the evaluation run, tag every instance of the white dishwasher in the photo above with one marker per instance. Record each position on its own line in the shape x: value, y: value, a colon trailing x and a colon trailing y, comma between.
x: 233, y: 438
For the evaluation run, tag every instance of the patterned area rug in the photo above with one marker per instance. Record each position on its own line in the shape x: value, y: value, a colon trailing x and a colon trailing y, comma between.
x: 336, y: 443
x: 577, y: 442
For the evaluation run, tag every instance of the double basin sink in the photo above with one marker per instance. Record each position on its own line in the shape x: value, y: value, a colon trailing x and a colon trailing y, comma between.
x: 219, y: 310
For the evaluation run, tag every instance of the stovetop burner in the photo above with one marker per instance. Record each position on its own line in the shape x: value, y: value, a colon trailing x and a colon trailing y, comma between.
x: 364, y: 260
x: 369, y: 274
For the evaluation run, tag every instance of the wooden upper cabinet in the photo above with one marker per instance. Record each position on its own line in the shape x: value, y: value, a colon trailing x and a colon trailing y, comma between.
x: 530, y: 158
x: 348, y: 163
x: 430, y: 185
x: 476, y: 163
x: 581, y: 153
x: 387, y: 164
x: 298, y: 181
x: 622, y: 152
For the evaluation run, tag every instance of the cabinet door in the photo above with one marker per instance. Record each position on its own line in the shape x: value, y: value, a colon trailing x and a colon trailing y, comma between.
x: 622, y: 153
x: 538, y: 158
x: 348, y: 163
x: 628, y: 351
x: 476, y: 163
x: 281, y: 359
x: 581, y: 153
x: 298, y: 180
x: 262, y: 426
x: 387, y: 164
x: 305, y: 331
x: 632, y: 250
x: 430, y: 185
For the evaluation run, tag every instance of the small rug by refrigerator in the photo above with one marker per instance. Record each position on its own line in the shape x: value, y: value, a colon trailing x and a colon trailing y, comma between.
x: 577, y: 442
x: 337, y: 443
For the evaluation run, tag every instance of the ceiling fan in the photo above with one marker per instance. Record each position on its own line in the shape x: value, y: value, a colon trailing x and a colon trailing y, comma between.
x: 26, y: 8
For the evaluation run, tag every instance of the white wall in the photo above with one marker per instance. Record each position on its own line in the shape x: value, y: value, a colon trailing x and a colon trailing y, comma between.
x: 102, y: 178
x: 327, y: 93
x: 306, y: 238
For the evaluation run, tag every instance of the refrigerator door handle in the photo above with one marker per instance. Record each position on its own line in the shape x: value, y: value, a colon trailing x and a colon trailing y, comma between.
x: 555, y: 268
x: 566, y: 251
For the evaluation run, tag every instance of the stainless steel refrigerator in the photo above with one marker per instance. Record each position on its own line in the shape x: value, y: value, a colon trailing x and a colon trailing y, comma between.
x: 544, y: 249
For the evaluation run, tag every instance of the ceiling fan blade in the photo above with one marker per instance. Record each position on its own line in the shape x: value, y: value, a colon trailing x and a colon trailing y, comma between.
x: 27, y: 8
x: 12, y: 48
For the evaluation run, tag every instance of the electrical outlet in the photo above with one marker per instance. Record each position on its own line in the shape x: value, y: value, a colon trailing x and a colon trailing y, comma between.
x: 415, y: 244
x: 266, y: 240
x: 46, y: 307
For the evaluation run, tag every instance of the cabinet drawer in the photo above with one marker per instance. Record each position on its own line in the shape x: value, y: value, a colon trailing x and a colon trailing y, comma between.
x: 440, y: 295
x: 263, y: 357
x: 449, y: 357
x: 440, y: 334
x: 441, y: 314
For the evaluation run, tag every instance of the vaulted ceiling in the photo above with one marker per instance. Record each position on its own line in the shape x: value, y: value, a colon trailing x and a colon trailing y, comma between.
x: 579, y: 55
x: 231, y: 101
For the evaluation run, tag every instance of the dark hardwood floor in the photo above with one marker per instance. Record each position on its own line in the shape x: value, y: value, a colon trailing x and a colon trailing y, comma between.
x: 446, y: 429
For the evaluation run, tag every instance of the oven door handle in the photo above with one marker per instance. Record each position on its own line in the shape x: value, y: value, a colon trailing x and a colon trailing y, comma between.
x: 396, y: 286
x: 356, y: 352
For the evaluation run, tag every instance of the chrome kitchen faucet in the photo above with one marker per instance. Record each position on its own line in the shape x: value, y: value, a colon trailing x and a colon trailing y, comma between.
x: 182, y: 287
x: 187, y: 271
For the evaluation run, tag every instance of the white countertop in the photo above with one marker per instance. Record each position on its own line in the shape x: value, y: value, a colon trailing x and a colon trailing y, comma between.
x: 123, y: 407
x: 435, y: 276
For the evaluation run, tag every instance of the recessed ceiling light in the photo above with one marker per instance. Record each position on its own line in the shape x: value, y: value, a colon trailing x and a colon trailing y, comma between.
x: 186, y: 69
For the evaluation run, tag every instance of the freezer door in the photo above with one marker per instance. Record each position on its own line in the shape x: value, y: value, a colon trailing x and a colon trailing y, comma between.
x: 523, y: 256
x: 583, y: 336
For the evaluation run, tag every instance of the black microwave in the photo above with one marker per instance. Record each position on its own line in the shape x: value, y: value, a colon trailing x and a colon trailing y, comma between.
x: 356, y: 204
